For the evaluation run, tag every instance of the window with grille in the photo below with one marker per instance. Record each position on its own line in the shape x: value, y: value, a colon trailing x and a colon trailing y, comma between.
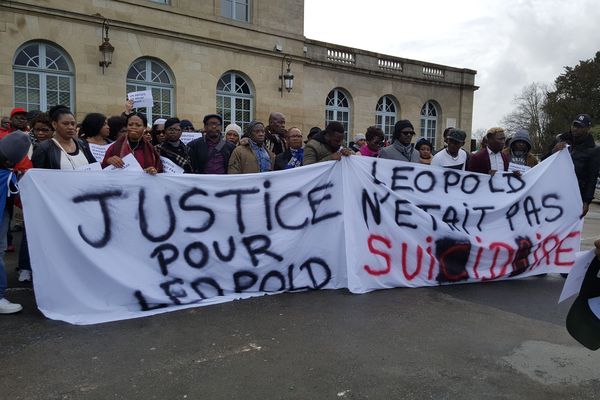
x: 43, y: 77
x: 337, y: 108
x: 149, y: 74
x: 429, y: 122
x: 234, y: 99
x: 385, y: 115
x: 236, y: 9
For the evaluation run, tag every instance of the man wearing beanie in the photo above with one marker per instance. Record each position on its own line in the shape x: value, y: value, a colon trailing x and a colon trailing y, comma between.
x: 13, y: 149
x: 401, y: 149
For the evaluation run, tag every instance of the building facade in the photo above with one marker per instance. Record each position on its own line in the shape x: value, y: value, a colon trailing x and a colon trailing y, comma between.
x: 228, y: 56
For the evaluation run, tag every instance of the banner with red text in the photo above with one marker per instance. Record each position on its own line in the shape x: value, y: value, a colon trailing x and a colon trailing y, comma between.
x: 413, y: 225
x: 107, y: 246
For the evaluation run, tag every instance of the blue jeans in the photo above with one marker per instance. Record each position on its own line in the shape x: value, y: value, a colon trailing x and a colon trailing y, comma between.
x: 3, y: 231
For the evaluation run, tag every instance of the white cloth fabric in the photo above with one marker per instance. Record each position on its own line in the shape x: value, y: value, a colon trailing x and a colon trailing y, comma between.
x: 444, y: 159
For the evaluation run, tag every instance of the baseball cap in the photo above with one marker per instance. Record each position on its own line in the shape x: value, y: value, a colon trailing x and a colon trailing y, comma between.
x: 17, y: 110
x: 583, y: 120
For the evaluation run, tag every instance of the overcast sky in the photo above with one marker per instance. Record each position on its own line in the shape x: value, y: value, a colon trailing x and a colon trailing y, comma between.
x: 510, y: 43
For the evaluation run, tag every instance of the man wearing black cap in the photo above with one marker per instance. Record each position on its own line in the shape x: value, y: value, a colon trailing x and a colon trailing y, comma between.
x: 453, y: 156
x: 210, y: 153
x: 401, y: 149
x: 585, y: 155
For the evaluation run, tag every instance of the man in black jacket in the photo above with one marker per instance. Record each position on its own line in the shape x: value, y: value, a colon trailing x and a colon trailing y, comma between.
x: 585, y: 155
x: 210, y: 153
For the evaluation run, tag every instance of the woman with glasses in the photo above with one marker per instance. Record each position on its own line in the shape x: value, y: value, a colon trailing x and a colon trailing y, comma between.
x: 401, y: 149
x: 374, y: 141
x: 41, y: 126
x: 173, y: 148
x: 158, y: 131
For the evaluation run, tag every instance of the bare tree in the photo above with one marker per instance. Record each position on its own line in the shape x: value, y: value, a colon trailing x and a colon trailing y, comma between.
x: 529, y: 114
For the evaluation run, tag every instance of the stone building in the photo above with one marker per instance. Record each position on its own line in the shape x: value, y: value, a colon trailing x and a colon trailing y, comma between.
x: 198, y: 57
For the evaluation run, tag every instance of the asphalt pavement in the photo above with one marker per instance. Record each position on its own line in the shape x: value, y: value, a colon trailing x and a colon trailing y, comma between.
x: 497, y: 340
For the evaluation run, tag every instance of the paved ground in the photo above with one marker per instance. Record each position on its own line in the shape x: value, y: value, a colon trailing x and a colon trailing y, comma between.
x: 501, y: 340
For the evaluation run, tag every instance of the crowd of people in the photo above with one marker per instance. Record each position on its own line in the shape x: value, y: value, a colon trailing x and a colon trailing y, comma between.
x: 54, y: 140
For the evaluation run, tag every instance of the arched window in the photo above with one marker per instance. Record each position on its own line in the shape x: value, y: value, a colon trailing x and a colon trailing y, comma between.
x: 234, y: 99
x: 43, y: 77
x: 429, y: 122
x: 385, y: 115
x: 337, y: 108
x: 149, y: 74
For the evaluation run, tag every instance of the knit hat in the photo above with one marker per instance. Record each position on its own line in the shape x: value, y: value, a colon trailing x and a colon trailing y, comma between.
x: 159, y: 121
x: 251, y: 126
x: 234, y: 127
x: 403, y: 123
x: 359, y: 136
x: 186, y: 123
x: 14, y: 146
x: 522, y: 135
x: 170, y: 122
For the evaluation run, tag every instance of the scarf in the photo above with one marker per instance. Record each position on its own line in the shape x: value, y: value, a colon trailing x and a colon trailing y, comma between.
x: 264, y: 161
x: 297, y: 158
x: 406, y: 151
x: 366, y: 151
x: 122, y: 148
x: 176, y: 152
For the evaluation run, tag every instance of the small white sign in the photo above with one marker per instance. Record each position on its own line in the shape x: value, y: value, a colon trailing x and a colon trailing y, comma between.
x: 187, y: 137
x: 99, y: 150
x: 131, y: 164
x: 577, y: 274
x: 141, y: 99
x: 169, y: 167
x: 90, y: 167
x: 517, y: 167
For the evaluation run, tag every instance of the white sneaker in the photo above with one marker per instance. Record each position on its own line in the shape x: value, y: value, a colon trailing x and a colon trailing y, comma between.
x: 6, y: 307
x: 24, y: 275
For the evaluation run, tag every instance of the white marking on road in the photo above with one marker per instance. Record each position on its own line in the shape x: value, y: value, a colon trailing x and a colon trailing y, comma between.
x: 344, y: 393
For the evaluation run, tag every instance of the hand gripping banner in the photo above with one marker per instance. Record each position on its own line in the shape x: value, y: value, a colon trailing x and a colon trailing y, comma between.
x: 111, y: 246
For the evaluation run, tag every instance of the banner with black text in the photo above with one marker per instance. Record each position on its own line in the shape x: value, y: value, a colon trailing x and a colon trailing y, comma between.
x: 115, y: 245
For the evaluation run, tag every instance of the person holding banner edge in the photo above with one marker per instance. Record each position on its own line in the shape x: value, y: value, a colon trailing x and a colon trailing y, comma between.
x: 585, y: 155
x: 326, y: 145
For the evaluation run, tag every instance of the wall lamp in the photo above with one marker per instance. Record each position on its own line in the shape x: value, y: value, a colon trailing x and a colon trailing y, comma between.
x: 287, y: 78
x: 106, y: 49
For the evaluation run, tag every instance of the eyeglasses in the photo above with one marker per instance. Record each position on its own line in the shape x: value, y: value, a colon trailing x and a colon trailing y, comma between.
x: 173, y: 129
x: 161, y: 132
x: 213, y: 123
x: 407, y: 133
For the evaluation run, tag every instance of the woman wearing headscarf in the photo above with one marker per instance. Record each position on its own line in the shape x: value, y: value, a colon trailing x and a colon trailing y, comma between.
x: 233, y: 133
x: 134, y: 143
x: 252, y: 156
x: 173, y: 148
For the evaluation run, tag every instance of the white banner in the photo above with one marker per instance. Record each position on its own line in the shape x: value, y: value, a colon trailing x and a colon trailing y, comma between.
x: 111, y: 246
x: 414, y: 225
x: 99, y: 150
